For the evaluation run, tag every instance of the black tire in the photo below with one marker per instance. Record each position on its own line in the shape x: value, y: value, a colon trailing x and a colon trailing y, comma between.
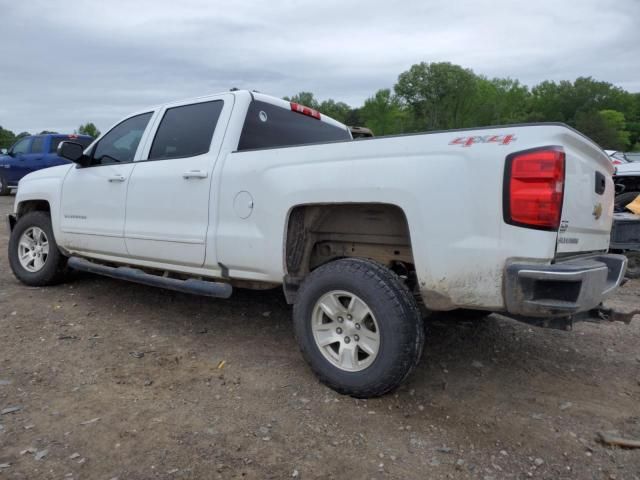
x: 400, y: 326
x: 624, y: 199
x: 633, y: 266
x: 4, y: 187
x: 55, y: 264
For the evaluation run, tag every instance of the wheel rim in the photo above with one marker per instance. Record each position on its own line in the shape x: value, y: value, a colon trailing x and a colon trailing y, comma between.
x: 33, y: 249
x: 345, y: 331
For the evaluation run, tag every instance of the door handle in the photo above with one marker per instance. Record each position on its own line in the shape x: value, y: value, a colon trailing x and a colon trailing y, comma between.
x: 116, y: 178
x: 194, y: 174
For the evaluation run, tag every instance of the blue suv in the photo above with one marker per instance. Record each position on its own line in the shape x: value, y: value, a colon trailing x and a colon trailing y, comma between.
x: 33, y: 153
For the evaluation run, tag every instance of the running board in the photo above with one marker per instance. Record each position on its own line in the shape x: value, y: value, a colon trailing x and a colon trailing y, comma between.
x: 191, y: 285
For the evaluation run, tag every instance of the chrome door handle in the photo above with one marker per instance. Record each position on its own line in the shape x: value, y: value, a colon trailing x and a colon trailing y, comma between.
x: 195, y: 174
x: 117, y: 178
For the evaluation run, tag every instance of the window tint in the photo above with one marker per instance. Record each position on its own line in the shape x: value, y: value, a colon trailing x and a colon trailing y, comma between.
x: 37, y: 145
x: 121, y: 143
x: 268, y: 125
x: 55, y: 141
x: 186, y: 131
x: 22, y: 146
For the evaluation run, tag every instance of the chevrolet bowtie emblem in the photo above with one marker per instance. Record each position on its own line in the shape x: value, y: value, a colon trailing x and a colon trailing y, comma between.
x: 597, y: 210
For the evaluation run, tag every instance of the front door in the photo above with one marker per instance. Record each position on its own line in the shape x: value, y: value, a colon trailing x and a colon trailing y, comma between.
x: 168, y: 199
x: 18, y: 167
x: 32, y: 160
x: 93, y: 197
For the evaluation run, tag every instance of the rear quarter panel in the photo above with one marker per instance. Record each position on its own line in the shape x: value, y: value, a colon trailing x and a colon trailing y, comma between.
x: 450, y: 194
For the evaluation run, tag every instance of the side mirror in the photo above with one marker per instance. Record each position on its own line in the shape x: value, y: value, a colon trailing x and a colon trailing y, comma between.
x: 72, y: 151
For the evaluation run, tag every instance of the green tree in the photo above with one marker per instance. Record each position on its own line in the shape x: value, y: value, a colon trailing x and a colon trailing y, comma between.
x: 89, y: 129
x: 7, y: 138
x: 439, y: 95
x: 44, y: 132
x: 607, y: 128
x: 499, y: 101
x: 22, y: 135
x: 339, y: 111
x: 383, y: 113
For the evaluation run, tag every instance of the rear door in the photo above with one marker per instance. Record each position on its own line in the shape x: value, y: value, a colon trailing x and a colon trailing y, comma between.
x: 587, y: 210
x: 168, y: 200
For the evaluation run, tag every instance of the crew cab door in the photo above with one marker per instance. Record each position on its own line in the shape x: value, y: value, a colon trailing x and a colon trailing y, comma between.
x: 168, y: 201
x: 93, y: 197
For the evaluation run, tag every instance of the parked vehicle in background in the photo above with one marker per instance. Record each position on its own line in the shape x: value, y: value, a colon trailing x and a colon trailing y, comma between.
x: 33, y: 153
x: 627, y: 181
x: 617, y: 157
x: 361, y: 132
x: 242, y: 189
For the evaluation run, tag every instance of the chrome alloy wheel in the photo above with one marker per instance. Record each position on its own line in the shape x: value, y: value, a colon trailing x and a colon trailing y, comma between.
x: 345, y: 331
x: 33, y: 249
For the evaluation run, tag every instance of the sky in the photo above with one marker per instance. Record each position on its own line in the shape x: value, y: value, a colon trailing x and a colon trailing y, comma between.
x: 65, y: 63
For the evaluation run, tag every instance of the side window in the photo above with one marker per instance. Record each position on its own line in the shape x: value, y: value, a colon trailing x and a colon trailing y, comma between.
x: 121, y: 143
x: 186, y: 131
x: 37, y: 145
x: 22, y: 146
x: 268, y: 125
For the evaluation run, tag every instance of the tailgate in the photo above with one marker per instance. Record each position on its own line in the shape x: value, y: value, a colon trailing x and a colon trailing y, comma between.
x: 587, y: 209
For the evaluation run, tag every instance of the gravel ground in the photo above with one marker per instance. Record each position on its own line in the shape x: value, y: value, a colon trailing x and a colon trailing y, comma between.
x: 114, y: 380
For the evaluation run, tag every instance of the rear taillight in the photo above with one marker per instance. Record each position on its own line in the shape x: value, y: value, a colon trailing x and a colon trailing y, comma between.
x: 310, y: 112
x: 534, y: 188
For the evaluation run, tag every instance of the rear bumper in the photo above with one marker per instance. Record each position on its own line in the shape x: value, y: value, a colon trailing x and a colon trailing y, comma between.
x: 564, y: 288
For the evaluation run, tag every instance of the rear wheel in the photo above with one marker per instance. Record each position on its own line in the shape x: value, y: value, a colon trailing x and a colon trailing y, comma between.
x: 358, y: 327
x: 33, y: 252
x: 4, y: 186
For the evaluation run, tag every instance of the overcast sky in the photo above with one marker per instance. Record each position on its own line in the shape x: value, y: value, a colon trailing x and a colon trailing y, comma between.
x: 69, y: 62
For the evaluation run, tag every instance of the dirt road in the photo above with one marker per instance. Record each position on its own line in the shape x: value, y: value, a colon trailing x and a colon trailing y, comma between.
x: 115, y: 380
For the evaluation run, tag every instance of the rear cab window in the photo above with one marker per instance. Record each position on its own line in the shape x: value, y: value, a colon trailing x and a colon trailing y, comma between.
x: 267, y: 125
x: 186, y: 131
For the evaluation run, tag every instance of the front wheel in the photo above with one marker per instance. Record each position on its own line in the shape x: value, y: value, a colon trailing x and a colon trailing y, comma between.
x: 33, y: 252
x: 4, y: 186
x: 358, y: 327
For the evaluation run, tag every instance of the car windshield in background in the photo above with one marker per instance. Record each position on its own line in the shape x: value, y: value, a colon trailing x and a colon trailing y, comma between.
x: 55, y: 141
x: 268, y: 125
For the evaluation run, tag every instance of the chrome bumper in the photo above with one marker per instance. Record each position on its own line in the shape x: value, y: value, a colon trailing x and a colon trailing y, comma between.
x: 564, y: 288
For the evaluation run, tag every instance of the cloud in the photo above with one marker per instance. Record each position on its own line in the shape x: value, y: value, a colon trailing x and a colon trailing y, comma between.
x: 69, y: 62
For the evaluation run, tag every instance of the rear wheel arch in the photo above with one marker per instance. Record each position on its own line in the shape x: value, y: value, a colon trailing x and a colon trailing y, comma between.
x: 316, y: 234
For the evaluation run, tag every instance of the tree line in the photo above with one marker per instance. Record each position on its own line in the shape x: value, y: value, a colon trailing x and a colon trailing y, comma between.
x: 8, y: 138
x: 441, y: 96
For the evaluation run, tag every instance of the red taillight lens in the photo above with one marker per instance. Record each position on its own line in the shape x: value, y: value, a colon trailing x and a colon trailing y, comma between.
x: 534, y: 183
x: 310, y: 112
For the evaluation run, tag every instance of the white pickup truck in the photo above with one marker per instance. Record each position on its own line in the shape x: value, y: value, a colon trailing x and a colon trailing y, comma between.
x: 240, y: 189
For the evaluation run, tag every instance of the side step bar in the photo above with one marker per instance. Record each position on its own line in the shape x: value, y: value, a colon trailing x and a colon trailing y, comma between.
x: 191, y: 285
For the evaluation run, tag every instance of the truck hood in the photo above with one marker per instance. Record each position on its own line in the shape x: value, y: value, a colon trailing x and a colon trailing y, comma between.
x: 52, y: 172
x: 626, y: 169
